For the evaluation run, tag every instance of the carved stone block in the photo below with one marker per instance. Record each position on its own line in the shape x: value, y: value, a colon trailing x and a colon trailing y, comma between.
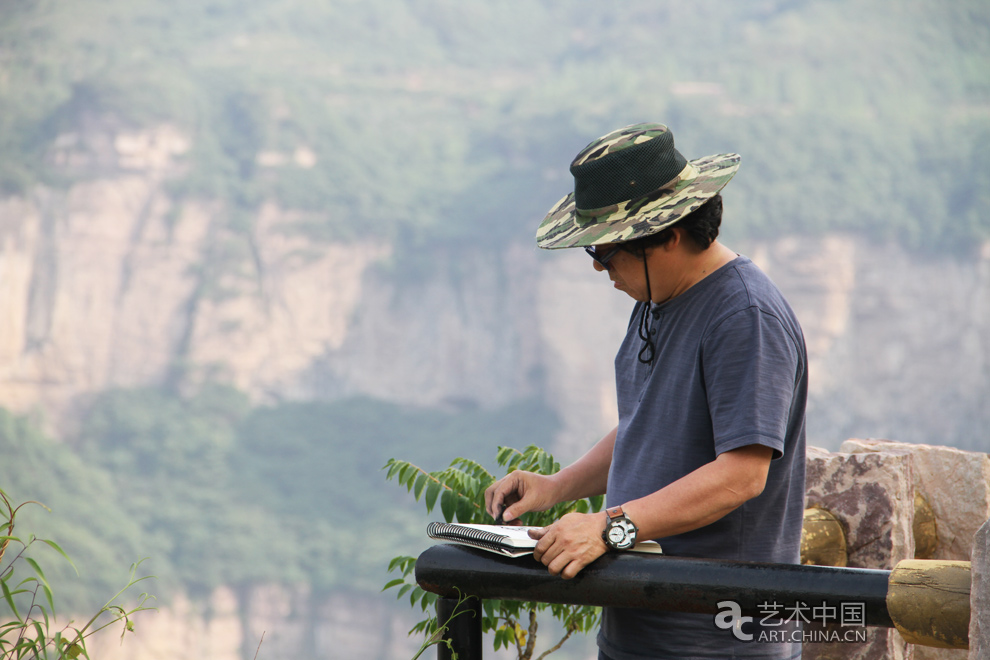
x: 955, y: 483
x: 872, y: 495
x: 979, y: 604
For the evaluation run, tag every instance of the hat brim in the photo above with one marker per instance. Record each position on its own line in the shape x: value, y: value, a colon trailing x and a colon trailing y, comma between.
x: 564, y: 227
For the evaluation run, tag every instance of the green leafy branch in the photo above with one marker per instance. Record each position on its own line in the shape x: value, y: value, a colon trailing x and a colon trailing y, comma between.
x: 460, y: 491
x: 30, y: 634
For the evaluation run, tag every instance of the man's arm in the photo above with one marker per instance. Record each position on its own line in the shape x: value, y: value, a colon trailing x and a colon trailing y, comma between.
x: 521, y: 491
x: 695, y: 500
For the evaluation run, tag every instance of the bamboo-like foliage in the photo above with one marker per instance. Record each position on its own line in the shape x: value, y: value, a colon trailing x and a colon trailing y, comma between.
x: 460, y: 491
x: 29, y: 631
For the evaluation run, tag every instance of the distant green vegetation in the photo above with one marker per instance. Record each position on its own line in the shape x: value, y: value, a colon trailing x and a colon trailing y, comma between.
x: 215, y: 491
x: 446, y: 121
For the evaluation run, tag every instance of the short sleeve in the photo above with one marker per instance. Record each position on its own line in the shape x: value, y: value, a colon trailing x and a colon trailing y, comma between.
x: 751, y: 368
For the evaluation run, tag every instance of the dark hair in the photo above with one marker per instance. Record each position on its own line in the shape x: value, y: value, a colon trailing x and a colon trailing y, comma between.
x: 701, y: 225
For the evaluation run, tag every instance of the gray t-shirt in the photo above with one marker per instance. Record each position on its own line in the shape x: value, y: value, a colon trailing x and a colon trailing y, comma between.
x: 730, y: 371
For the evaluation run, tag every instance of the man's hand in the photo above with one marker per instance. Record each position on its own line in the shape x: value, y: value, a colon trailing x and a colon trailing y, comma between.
x: 571, y: 543
x: 519, y: 492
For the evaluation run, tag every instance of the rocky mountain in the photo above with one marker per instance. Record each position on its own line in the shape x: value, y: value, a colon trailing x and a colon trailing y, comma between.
x: 109, y: 284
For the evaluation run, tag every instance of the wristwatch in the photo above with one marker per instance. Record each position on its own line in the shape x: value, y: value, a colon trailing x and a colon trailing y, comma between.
x: 620, y: 532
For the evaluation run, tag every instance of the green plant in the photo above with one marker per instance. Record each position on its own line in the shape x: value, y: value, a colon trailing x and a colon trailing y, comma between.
x: 436, y: 637
x: 32, y: 631
x: 460, y: 491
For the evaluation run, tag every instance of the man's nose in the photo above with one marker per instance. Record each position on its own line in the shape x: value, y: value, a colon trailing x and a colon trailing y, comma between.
x: 598, y: 266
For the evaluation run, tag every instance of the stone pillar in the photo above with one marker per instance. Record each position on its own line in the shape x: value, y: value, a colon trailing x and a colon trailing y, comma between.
x: 979, y: 595
x: 955, y: 483
x: 872, y: 494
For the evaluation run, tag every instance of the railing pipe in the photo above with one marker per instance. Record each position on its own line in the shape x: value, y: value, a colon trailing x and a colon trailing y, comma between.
x: 674, y: 584
x: 462, y: 618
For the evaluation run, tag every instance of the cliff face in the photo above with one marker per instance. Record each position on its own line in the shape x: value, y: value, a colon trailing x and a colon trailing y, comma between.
x: 110, y: 284
x: 270, y: 621
x: 898, y: 344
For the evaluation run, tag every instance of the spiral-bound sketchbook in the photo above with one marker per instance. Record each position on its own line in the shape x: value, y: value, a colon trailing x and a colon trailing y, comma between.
x: 503, y: 539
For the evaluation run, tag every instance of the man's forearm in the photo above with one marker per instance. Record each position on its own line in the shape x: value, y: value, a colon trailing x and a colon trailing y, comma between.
x: 703, y: 496
x: 588, y: 475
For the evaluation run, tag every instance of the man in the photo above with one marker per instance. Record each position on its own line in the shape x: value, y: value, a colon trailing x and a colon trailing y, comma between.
x: 708, y: 455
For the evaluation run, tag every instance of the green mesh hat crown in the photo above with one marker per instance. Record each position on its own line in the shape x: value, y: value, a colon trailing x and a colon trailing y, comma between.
x: 629, y: 184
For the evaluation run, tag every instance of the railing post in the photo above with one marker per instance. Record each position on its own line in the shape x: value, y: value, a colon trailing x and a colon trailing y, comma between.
x: 463, y: 621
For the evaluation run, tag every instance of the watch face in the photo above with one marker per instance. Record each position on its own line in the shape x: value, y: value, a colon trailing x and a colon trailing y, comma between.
x: 621, y: 534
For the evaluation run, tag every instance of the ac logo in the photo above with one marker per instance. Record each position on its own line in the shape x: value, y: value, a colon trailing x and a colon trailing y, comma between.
x: 730, y: 617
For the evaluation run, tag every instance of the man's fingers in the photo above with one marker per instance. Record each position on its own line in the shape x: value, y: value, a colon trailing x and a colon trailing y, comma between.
x: 494, y: 499
x: 489, y: 500
x: 495, y: 496
x: 569, y: 545
x: 549, y: 547
x: 572, y: 569
x: 512, y: 507
x: 564, y: 564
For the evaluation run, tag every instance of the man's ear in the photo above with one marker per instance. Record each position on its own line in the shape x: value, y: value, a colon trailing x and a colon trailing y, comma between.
x: 677, y: 234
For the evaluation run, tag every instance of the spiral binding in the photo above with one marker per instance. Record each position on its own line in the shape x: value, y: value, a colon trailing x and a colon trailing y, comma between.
x: 479, y: 537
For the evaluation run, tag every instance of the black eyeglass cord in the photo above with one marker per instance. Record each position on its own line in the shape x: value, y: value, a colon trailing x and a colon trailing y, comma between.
x: 649, y: 348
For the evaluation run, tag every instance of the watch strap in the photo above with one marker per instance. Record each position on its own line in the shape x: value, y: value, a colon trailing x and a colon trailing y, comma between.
x: 614, y: 512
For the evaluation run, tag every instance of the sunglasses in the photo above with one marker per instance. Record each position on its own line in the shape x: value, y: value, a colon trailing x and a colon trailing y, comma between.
x: 601, y: 258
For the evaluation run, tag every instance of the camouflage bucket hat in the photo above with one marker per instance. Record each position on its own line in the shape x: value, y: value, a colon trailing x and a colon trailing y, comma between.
x: 629, y: 184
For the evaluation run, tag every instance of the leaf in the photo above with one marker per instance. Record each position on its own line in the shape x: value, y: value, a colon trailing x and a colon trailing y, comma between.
x: 59, y: 550
x: 499, y: 638
x: 471, y: 486
x: 40, y: 630
x: 475, y: 469
x: 428, y: 601
x: 404, y: 563
x: 392, y: 466
x: 6, y: 626
x: 448, y: 505
x: 9, y: 597
x: 432, y: 491
x: 420, y: 484
x: 36, y: 567
x: 49, y: 598
x: 466, y: 511
x: 506, y: 454
x: 392, y: 583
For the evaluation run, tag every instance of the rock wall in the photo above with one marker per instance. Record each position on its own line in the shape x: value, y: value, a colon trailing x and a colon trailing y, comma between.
x: 110, y: 283
x: 270, y: 620
x: 899, y: 343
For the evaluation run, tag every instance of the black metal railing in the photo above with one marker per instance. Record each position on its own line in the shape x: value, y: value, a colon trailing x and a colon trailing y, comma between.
x: 673, y: 584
